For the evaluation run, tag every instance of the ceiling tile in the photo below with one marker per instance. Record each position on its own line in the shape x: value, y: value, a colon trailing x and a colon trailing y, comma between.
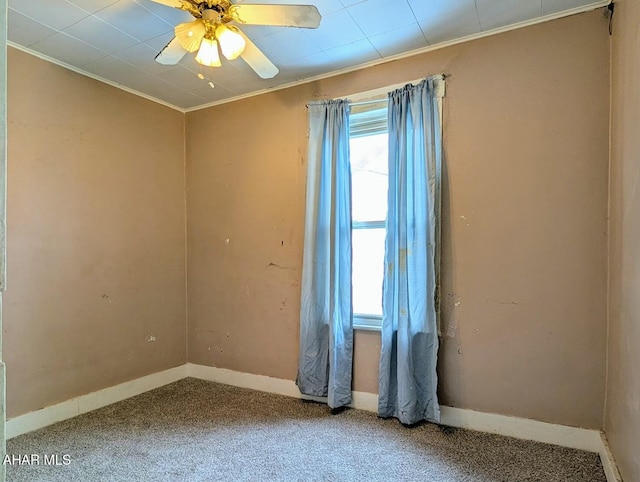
x: 348, y: 3
x: 24, y: 31
x: 57, y: 14
x: 218, y: 74
x: 376, y: 16
x: 306, y: 67
x: 239, y: 84
x: 355, y: 53
x: 423, y: 10
x: 134, y: 20
x: 160, y: 42
x: 181, y: 77
x: 498, y: 13
x: 170, y: 15
x: 403, y: 39
x: 100, y: 34
x: 114, y: 69
x: 142, y: 56
x: 92, y: 6
x: 450, y: 26
x: 212, y: 95
x: 68, y: 50
x: 151, y: 85
x: 184, y: 99
x: 336, y: 29
x: 288, y: 43
x: 555, y: 6
x: 325, y: 7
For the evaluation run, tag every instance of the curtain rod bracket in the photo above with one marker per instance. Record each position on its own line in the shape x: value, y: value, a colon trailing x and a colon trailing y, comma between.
x: 610, y: 9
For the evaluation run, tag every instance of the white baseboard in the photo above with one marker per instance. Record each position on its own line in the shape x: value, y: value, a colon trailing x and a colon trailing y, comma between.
x: 522, y: 428
x: 92, y: 401
x: 577, y: 438
x: 361, y: 400
x: 261, y: 383
x: 572, y: 437
x: 608, y: 462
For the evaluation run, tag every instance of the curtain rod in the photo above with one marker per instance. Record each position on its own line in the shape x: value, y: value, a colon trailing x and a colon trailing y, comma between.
x: 365, y: 102
x: 362, y: 102
x: 375, y: 101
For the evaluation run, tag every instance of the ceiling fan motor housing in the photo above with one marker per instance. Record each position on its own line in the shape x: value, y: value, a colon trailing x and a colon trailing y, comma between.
x: 211, y: 15
x: 220, y: 6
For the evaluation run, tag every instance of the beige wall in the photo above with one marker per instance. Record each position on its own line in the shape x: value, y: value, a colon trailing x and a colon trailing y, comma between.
x: 524, y: 248
x: 622, y: 418
x: 96, y: 244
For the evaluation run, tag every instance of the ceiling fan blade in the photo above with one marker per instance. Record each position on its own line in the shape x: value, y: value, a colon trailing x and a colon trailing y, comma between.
x: 171, y: 54
x: 258, y: 61
x: 306, y: 16
x: 170, y: 3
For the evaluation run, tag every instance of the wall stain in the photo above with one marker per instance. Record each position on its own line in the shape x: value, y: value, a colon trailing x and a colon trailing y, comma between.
x: 279, y: 266
x: 504, y: 302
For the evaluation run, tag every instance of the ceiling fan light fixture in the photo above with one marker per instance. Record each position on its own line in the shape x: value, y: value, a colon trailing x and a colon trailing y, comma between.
x: 213, y: 26
x: 208, y: 53
x: 232, y: 43
x: 190, y: 34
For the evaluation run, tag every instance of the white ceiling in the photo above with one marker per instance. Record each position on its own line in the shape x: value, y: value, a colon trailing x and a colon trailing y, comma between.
x: 117, y: 40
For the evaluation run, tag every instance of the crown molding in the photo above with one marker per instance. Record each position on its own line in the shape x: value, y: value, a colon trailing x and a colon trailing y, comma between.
x: 411, y: 53
x: 93, y: 76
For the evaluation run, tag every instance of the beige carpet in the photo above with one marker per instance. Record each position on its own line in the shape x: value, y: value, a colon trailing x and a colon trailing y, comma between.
x: 194, y: 430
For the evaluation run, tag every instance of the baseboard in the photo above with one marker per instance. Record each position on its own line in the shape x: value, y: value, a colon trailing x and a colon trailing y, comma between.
x: 361, y: 400
x: 572, y: 437
x: 608, y: 462
x: 577, y: 438
x: 92, y: 401
x: 522, y: 428
x: 261, y: 383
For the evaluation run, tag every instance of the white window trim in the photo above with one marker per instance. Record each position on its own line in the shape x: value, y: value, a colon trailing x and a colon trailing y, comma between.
x: 365, y: 321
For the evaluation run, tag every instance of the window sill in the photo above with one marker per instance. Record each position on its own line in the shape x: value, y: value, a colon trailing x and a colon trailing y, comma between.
x: 367, y: 323
x: 367, y: 328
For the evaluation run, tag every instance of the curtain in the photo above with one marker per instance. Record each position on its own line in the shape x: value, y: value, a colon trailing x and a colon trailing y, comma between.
x: 408, y: 379
x: 326, y: 320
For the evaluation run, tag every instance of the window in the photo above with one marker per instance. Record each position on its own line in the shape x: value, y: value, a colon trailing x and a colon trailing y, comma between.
x: 369, y: 181
x: 369, y: 152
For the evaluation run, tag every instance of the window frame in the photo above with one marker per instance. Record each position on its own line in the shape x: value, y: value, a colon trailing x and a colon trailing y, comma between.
x: 365, y: 321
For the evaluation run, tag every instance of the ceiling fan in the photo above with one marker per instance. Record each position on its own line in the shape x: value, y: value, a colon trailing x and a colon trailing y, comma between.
x: 214, y: 26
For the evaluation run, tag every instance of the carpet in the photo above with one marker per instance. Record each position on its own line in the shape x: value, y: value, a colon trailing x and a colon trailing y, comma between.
x: 195, y: 430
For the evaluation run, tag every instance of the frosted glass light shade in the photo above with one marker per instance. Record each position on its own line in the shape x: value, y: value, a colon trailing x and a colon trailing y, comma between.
x: 232, y: 43
x: 190, y: 34
x: 208, y: 53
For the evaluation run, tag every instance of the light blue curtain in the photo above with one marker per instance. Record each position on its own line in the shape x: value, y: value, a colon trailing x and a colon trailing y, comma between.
x: 326, y: 320
x: 408, y: 379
